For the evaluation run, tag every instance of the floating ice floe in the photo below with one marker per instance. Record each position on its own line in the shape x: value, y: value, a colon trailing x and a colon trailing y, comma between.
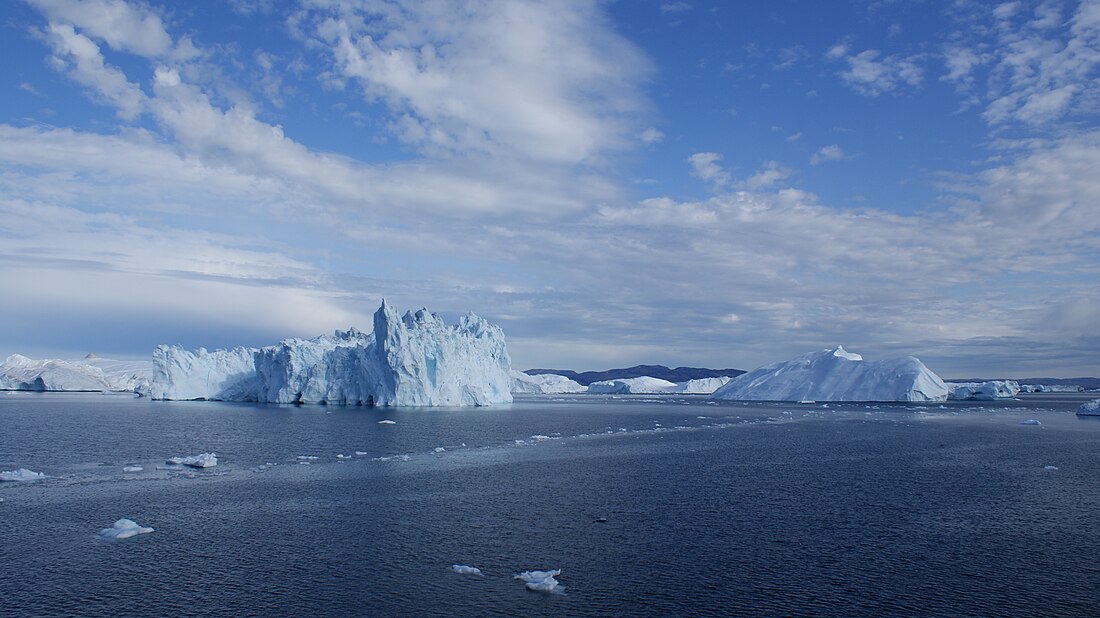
x: 1050, y: 467
x: 22, y: 475
x: 124, y: 529
x: 541, y: 581
x: 361, y: 453
x: 202, y: 460
x: 387, y: 422
x: 307, y: 457
x: 343, y: 456
x: 837, y: 375
x: 132, y: 468
x: 410, y: 360
x: 1089, y: 408
x: 1030, y: 421
x: 466, y: 569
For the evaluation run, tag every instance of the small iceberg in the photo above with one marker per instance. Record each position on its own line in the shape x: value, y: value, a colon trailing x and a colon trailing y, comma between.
x: 132, y: 468
x: 1030, y: 421
x: 465, y: 569
x: 542, y: 581
x: 202, y: 460
x: 307, y: 457
x: 22, y: 475
x: 1089, y: 408
x: 1050, y: 467
x: 124, y: 529
x: 343, y: 456
x: 387, y: 422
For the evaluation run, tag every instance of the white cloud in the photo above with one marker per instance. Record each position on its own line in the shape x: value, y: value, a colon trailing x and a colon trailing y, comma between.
x: 123, y: 25
x: 828, y: 153
x: 80, y: 57
x: 872, y: 74
x: 675, y: 7
x: 651, y: 136
x: 770, y: 173
x: 551, y: 83
x: 704, y: 165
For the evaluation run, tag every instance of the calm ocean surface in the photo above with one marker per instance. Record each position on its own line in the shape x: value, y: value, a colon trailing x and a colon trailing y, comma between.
x: 761, y: 509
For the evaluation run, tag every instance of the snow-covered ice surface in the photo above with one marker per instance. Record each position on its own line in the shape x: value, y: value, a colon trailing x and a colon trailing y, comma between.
x: 1089, y: 408
x: 91, y: 373
x: 410, y: 360
x: 22, y: 475
x: 643, y: 385
x: 544, y: 384
x: 124, y: 529
x: 466, y: 569
x: 542, y: 581
x: 983, y: 391
x: 837, y: 375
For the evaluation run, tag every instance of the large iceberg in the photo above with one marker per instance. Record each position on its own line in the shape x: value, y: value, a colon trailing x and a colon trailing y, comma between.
x: 91, y: 373
x: 628, y: 386
x: 544, y: 384
x: 410, y: 360
x: 837, y: 375
x: 983, y: 391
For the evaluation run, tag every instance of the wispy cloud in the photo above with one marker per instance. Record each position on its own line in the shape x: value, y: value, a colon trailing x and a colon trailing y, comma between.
x: 828, y: 153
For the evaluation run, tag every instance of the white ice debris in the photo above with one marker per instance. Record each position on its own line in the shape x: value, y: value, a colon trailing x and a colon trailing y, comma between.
x: 466, y: 569
x: 837, y: 375
x: 91, y: 373
x: 410, y: 360
x: 132, y: 468
x: 387, y: 422
x: 1050, y: 467
x: 983, y: 391
x: 1089, y: 408
x: 700, y: 386
x: 124, y: 529
x: 627, y: 386
x: 22, y: 475
x: 1050, y: 388
x: 541, y: 581
x: 202, y: 460
x: 1030, y: 421
x: 544, y: 384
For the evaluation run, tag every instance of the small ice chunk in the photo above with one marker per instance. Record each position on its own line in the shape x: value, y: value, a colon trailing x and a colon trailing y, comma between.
x: 132, y: 468
x: 1030, y: 421
x: 202, y: 460
x: 1050, y: 467
x: 541, y: 581
x: 439, y: 449
x: 22, y: 475
x: 387, y: 422
x: 361, y: 453
x: 124, y: 529
x: 466, y: 569
x: 343, y: 456
x: 307, y: 457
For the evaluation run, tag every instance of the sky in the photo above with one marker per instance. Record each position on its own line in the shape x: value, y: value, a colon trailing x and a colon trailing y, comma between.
x: 613, y: 183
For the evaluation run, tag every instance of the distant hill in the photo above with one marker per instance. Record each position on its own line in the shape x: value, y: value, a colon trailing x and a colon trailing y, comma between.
x: 1085, y: 383
x: 679, y: 374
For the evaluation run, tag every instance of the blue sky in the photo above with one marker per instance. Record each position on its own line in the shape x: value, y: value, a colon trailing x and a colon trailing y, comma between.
x: 712, y: 184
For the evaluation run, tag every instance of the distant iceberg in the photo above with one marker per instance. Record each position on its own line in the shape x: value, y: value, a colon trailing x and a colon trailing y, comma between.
x: 700, y: 386
x: 1089, y: 408
x: 410, y: 360
x: 837, y: 375
x: 22, y: 475
x: 465, y: 569
x: 631, y: 386
x: 1050, y: 388
x: 983, y: 391
x: 124, y: 529
x: 19, y: 373
x: 543, y: 384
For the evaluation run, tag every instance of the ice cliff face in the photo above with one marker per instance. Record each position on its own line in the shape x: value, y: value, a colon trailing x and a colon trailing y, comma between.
x: 641, y: 385
x: 20, y: 373
x: 983, y: 391
x: 837, y: 375
x: 410, y: 360
x: 700, y: 386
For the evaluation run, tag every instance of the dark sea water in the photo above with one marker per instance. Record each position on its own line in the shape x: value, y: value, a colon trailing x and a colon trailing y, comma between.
x: 731, y: 509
